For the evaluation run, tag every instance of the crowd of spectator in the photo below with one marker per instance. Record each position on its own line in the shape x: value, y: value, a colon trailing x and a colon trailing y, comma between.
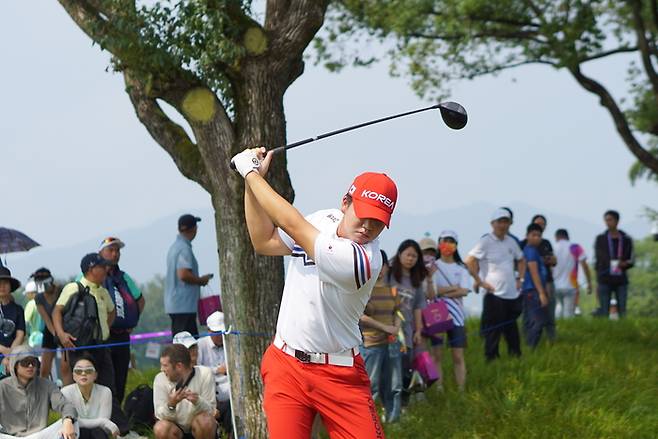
x: 90, y: 320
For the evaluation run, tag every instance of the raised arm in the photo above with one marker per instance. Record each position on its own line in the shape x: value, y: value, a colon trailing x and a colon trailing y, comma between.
x: 261, y: 202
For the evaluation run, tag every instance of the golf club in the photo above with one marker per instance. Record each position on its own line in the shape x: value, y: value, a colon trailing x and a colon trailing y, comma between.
x: 452, y: 113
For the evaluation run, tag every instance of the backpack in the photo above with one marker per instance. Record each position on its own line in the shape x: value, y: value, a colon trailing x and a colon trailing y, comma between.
x: 80, y: 318
x: 138, y: 407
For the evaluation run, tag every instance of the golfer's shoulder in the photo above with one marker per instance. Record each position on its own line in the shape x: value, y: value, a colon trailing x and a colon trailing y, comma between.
x: 325, y: 218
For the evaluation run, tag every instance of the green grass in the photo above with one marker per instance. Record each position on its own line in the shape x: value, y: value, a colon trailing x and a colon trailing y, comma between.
x: 599, y: 380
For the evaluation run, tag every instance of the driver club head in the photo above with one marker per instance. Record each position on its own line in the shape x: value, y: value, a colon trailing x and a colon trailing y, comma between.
x: 453, y: 114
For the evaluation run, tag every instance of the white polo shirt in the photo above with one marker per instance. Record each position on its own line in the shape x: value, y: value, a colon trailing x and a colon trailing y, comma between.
x: 324, y: 298
x: 496, y: 257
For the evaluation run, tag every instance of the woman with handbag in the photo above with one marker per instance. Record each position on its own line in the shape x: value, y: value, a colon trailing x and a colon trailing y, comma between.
x: 452, y: 282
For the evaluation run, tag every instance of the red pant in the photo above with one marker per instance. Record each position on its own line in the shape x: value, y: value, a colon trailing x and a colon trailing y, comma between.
x: 296, y: 391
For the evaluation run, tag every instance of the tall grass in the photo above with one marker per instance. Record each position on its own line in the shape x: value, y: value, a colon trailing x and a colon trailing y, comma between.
x: 598, y: 380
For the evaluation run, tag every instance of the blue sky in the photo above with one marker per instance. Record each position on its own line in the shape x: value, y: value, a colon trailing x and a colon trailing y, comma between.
x: 77, y: 163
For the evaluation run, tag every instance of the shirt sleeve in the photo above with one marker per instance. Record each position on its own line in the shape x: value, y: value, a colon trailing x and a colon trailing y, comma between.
x: 68, y: 291
x: 530, y: 254
x: 161, y: 399
x: 465, y: 280
x: 287, y: 240
x: 419, y: 298
x: 109, y: 303
x: 345, y: 263
x: 184, y: 259
x: 20, y: 319
x: 206, y: 401
x: 479, y: 250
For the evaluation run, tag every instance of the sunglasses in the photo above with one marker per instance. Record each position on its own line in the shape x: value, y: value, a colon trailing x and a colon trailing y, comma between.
x: 29, y: 361
x: 84, y: 370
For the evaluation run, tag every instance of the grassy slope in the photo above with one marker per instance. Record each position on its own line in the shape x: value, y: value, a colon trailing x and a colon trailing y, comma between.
x: 600, y: 380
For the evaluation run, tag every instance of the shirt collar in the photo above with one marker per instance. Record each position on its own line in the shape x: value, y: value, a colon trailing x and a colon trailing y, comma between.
x: 184, y: 240
x: 86, y: 282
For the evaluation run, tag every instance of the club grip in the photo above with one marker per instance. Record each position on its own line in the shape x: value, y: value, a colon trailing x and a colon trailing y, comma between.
x: 274, y: 151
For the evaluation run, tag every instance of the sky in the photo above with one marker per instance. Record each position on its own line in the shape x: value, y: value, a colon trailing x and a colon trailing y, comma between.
x: 77, y: 163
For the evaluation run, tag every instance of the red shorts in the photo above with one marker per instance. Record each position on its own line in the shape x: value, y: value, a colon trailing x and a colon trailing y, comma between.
x: 295, y: 392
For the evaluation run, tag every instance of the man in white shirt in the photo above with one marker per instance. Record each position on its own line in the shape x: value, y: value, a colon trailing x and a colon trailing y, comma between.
x: 569, y: 257
x: 183, y: 397
x: 491, y: 263
x: 313, y: 366
x: 211, y: 354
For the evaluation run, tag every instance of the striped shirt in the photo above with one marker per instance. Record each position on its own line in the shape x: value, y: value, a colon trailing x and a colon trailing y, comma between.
x: 451, y: 275
x: 382, y: 306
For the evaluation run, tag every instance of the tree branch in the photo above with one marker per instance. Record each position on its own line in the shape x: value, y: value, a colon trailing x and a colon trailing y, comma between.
x: 607, y: 53
x: 644, y: 46
x: 171, y: 136
x: 499, y: 34
x: 293, y: 24
x: 607, y: 101
x: 501, y: 68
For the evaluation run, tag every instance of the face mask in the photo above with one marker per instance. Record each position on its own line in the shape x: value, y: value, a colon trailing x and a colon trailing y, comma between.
x: 447, y: 248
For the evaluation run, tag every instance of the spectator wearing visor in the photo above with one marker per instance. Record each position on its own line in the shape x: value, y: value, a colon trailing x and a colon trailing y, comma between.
x: 128, y: 304
x: 47, y: 295
x: 190, y: 343
x: 12, y: 317
x: 33, y: 321
x: 453, y: 283
x: 182, y: 282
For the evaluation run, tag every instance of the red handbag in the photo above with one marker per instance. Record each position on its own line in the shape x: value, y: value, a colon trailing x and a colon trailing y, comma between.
x: 209, y: 302
x: 424, y: 364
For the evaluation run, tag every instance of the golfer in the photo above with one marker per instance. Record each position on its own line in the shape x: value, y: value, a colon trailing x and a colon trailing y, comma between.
x: 313, y: 366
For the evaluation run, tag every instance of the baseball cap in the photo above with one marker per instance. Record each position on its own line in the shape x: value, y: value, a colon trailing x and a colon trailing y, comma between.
x: 111, y: 241
x: 187, y: 221
x: 185, y: 338
x: 374, y: 196
x: 500, y: 213
x: 427, y: 243
x: 449, y: 234
x: 215, y: 322
x: 91, y: 260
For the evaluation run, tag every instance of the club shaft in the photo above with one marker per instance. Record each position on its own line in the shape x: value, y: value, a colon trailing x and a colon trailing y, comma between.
x: 353, y: 127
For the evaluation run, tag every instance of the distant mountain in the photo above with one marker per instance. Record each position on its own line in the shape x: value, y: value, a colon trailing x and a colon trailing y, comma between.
x: 146, y: 247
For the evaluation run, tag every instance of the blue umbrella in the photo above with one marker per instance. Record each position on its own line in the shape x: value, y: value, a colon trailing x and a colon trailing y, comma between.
x: 12, y: 241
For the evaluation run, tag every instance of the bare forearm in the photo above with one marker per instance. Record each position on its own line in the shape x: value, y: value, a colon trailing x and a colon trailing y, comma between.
x: 369, y: 322
x: 522, y: 267
x: 282, y: 213
x: 20, y: 335
x: 418, y: 319
x: 259, y: 224
x: 473, y: 266
x: 57, y: 320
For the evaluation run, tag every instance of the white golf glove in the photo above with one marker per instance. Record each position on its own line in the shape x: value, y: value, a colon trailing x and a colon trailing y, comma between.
x: 246, y: 162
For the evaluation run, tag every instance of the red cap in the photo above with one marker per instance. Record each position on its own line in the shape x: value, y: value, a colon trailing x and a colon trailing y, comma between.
x: 374, y: 196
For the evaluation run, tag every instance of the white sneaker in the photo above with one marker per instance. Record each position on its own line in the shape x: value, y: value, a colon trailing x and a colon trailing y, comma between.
x: 577, y: 311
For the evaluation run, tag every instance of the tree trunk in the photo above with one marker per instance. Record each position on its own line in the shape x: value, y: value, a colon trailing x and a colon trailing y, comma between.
x: 252, y: 285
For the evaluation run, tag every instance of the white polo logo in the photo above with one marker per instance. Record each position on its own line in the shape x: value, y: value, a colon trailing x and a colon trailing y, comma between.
x: 378, y: 197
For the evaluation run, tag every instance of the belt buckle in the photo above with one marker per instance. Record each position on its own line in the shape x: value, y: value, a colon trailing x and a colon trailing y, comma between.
x: 302, y: 356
